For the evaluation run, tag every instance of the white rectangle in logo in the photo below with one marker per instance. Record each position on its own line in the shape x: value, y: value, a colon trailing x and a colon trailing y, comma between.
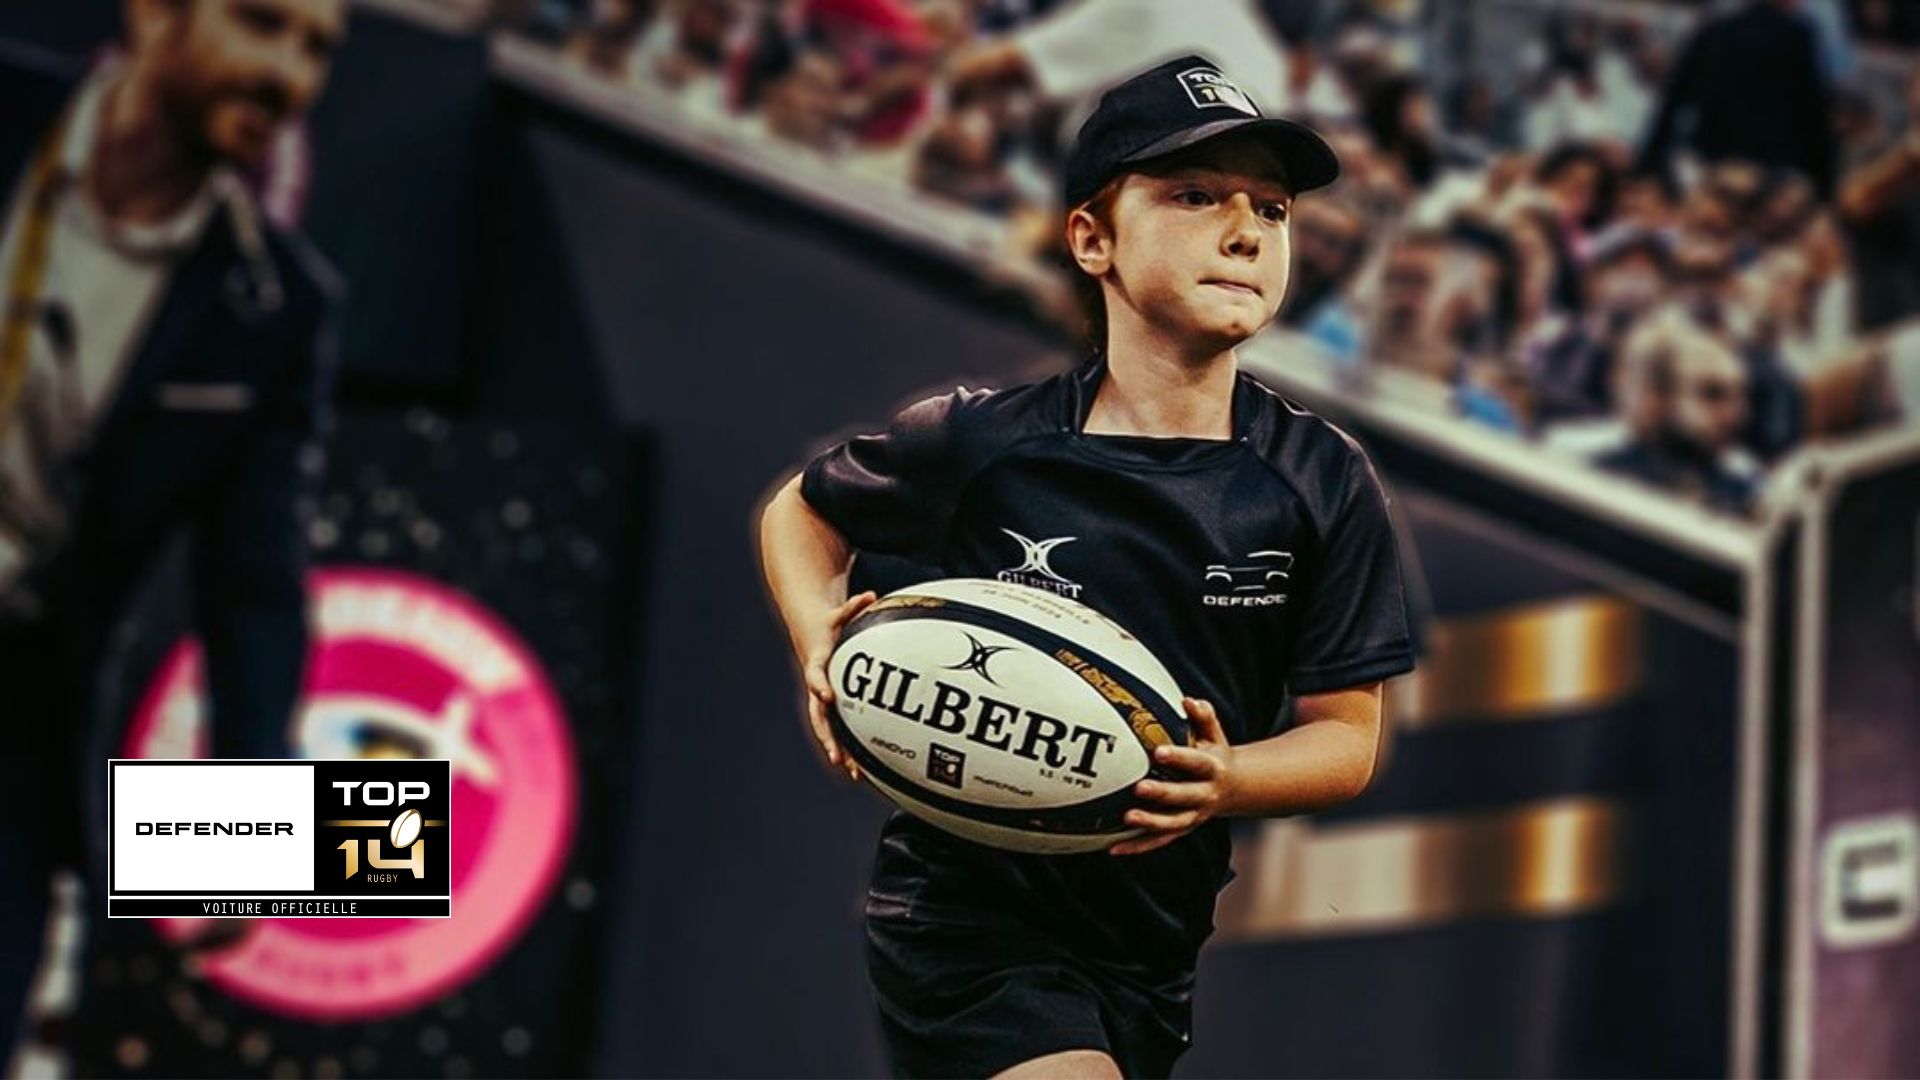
x: 196, y: 828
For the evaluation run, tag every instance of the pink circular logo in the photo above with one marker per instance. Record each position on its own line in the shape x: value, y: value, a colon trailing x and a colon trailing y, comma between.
x: 401, y: 666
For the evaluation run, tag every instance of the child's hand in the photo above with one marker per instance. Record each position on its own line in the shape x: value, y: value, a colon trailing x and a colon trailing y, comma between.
x: 813, y: 666
x: 1189, y: 804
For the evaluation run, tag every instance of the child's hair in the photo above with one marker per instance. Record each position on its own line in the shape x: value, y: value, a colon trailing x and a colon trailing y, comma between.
x: 1086, y: 288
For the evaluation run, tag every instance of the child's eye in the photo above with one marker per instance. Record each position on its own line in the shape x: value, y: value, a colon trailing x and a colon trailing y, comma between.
x: 1274, y: 212
x: 1193, y: 197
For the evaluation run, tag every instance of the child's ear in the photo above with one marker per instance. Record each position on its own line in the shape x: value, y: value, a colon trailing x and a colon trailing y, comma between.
x: 1089, y: 242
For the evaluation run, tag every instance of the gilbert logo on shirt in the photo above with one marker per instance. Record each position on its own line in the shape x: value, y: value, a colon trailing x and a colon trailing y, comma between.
x: 1034, y: 569
x: 1208, y: 89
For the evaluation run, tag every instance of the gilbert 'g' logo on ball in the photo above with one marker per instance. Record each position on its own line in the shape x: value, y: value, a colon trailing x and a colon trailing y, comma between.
x: 976, y: 660
x: 1208, y: 89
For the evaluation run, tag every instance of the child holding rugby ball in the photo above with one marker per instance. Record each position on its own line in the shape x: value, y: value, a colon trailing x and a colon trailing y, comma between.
x: 1133, y: 475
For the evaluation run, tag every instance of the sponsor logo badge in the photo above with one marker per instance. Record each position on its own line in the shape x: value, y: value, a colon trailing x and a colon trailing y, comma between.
x: 1207, y: 88
x: 402, y: 668
x: 945, y: 766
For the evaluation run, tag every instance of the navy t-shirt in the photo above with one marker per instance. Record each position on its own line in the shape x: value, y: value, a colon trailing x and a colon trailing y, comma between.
x: 1253, y: 567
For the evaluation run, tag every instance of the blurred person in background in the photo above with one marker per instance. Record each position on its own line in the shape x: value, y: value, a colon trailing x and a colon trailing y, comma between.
x: 1086, y: 45
x: 1682, y: 395
x: 803, y: 105
x: 1805, y: 293
x: 887, y: 59
x: 1329, y: 242
x: 1581, y: 181
x: 1565, y: 99
x: 1597, y: 82
x: 607, y: 42
x: 1314, y: 89
x: 1399, y: 115
x: 1479, y: 123
x: 1889, y: 22
x: 1643, y: 203
x: 164, y: 368
x: 1572, y: 373
x: 1397, y: 299
x: 1748, y: 85
x: 962, y: 161
x: 838, y: 74
x: 1879, y: 204
x: 1547, y: 284
x: 685, y: 49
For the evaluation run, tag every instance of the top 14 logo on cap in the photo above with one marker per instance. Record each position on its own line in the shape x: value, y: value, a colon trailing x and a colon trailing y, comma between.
x: 1208, y: 89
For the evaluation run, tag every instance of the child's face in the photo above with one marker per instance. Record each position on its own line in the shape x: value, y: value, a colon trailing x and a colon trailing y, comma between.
x: 1199, y: 244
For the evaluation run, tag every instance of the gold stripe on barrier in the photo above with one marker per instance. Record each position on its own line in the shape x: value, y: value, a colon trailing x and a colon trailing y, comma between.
x: 1297, y: 879
x: 1534, y: 660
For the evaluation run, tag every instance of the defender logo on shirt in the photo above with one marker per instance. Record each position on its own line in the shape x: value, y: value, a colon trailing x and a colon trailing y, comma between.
x: 1034, y: 569
x: 1260, y: 580
x: 1208, y: 89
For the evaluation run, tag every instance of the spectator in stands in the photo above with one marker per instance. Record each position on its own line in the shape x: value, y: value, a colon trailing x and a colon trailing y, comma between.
x: 1890, y: 22
x: 605, y: 44
x: 1399, y: 300
x: 770, y: 49
x: 838, y: 73
x: 1748, y: 86
x: 1399, y: 116
x: 1314, y: 89
x: 803, y: 105
x: 1329, y: 237
x: 1547, y: 275
x: 1571, y: 375
x: 1785, y: 209
x: 887, y: 62
x: 1718, y: 211
x: 685, y: 50
x: 1568, y: 98
x: 1880, y: 203
x: 1643, y: 203
x: 961, y: 161
x: 1682, y: 393
x: 1828, y: 296
x: 1382, y: 35
x: 1082, y: 47
x: 1581, y: 181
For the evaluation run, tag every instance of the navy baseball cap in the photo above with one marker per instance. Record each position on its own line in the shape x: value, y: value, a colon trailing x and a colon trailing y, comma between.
x: 1177, y: 105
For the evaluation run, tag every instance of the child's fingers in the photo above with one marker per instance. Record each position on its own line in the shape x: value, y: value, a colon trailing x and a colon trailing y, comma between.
x: 1186, y: 759
x: 1175, y: 794
x: 1205, y: 719
x: 819, y: 686
x: 822, y: 729
x: 1180, y: 822
x: 1143, y: 844
x: 852, y: 607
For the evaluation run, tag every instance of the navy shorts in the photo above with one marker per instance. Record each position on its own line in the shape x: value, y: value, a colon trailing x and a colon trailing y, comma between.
x: 959, y: 998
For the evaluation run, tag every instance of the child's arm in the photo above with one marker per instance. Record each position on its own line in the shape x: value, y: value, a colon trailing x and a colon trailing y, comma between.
x: 805, y: 561
x: 1326, y: 758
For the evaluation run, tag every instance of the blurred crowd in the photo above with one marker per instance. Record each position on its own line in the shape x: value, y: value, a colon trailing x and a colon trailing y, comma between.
x: 1676, y: 251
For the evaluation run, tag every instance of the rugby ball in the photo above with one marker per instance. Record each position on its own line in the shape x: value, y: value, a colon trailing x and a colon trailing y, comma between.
x: 1002, y: 713
x: 404, y: 830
